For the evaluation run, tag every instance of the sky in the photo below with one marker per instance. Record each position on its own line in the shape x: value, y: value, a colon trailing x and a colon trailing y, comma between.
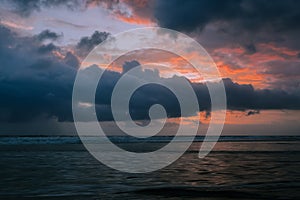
x: 254, y: 43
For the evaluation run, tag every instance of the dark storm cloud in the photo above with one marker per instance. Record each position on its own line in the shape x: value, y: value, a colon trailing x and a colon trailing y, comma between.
x: 239, y: 96
x: 86, y: 44
x: 32, y: 84
x: 46, y: 48
x: 252, y: 112
x: 35, y: 85
x: 71, y: 60
x: 250, y: 48
x: 47, y: 34
x: 247, y: 15
x: 144, y: 97
x: 130, y: 65
x: 244, y: 96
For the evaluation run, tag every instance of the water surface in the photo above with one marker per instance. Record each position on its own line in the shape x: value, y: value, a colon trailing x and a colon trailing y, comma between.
x: 238, y: 168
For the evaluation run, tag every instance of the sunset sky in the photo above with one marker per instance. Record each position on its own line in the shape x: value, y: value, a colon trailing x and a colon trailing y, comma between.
x: 255, y: 44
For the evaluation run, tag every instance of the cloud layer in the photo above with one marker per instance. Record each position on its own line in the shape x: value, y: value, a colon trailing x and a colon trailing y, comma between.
x: 36, y: 80
x: 240, y: 14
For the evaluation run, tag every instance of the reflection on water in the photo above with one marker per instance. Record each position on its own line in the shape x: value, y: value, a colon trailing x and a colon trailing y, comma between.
x: 235, y: 170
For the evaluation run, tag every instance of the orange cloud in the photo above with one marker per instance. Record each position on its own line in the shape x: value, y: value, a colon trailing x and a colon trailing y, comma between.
x: 234, y: 63
x: 244, y: 68
x: 58, y: 54
x: 134, y: 19
x: 14, y: 25
x: 280, y: 50
x: 129, y: 11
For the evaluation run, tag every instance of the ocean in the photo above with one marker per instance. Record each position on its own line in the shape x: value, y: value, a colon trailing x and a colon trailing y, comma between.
x: 239, y: 167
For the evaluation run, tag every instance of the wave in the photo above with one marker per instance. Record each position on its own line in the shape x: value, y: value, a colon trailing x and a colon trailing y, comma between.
x: 15, y: 140
x: 211, y: 192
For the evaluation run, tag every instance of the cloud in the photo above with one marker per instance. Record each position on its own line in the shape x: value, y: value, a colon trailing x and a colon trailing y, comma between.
x: 250, y: 48
x: 86, y: 44
x: 252, y: 112
x: 15, y: 25
x: 283, y: 69
x: 35, y: 84
x: 25, y: 8
x: 47, y: 48
x: 132, y: 11
x: 32, y: 84
x: 240, y: 14
x: 284, y: 75
x: 239, y: 96
x: 71, y: 60
x: 129, y: 11
x: 66, y: 24
x: 48, y: 35
x: 233, y: 23
x: 244, y: 96
x: 130, y: 65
